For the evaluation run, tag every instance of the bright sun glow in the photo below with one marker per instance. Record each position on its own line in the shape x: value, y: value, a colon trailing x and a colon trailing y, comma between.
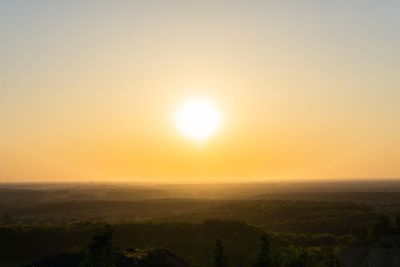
x: 198, y: 119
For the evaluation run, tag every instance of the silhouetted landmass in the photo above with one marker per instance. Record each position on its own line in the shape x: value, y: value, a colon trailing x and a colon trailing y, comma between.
x: 365, y: 191
x: 101, y: 252
x: 61, y: 260
x: 313, y: 217
x: 192, y: 242
x: 56, y: 223
x: 127, y: 258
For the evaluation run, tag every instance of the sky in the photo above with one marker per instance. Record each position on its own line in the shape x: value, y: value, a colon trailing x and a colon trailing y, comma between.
x: 306, y: 89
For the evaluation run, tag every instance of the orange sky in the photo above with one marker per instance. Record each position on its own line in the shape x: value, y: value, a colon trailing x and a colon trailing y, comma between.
x: 89, y: 91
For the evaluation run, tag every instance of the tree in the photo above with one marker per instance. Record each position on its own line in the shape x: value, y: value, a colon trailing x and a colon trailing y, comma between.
x: 382, y: 226
x: 220, y: 259
x: 264, y: 257
x: 303, y: 259
x: 100, y: 252
x: 330, y: 258
x: 398, y: 222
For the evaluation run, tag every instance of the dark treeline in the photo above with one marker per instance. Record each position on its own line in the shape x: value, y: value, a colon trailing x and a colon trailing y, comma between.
x: 212, y: 243
x: 239, y: 243
x: 274, y: 215
x: 204, y: 232
x: 103, y: 251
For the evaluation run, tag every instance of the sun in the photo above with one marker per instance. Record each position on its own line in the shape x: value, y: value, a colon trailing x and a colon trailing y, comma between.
x: 198, y: 119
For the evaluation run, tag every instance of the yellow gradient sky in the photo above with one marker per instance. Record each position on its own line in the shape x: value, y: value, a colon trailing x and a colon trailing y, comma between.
x: 307, y: 90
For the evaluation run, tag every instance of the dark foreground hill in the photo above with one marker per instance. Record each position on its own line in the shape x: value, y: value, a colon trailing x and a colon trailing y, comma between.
x: 21, y: 245
x: 128, y: 258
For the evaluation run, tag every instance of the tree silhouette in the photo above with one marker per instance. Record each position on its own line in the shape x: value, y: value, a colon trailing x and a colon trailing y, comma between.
x: 330, y: 258
x: 382, y: 226
x: 100, y: 252
x: 264, y: 257
x: 220, y: 259
x: 303, y: 259
x: 397, y: 219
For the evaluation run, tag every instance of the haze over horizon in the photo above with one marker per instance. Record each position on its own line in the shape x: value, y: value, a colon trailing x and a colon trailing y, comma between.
x: 90, y: 90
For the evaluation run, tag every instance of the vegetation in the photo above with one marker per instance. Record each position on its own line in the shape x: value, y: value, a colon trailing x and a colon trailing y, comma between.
x: 203, y: 233
x: 237, y: 244
x: 220, y: 259
x: 264, y: 256
x: 100, y: 252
